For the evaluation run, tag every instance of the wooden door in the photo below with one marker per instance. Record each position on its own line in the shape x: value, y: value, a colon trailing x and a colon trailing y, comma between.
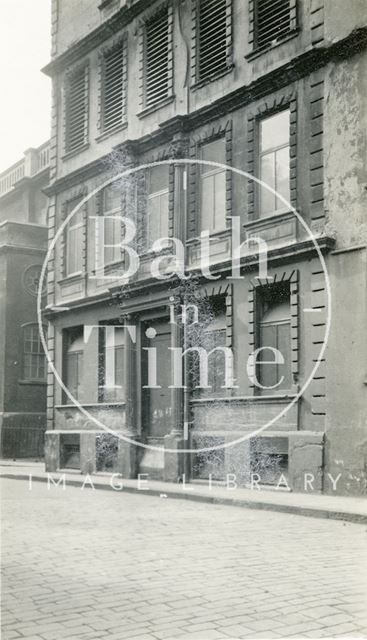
x: 157, y: 410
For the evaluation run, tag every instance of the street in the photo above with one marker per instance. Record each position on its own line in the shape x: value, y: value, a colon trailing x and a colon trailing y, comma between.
x: 84, y: 564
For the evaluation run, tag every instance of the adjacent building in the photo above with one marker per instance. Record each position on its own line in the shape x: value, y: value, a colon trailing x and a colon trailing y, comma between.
x: 275, y: 89
x: 23, y: 244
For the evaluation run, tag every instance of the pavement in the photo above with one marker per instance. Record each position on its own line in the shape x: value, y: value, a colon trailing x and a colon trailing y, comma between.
x: 84, y: 564
x: 352, y: 509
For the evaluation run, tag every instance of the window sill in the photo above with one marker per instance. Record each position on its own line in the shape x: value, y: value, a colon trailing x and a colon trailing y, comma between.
x: 155, y: 107
x: 90, y: 404
x: 273, y: 217
x: 110, y: 132
x: 279, y: 398
x: 213, y: 234
x: 215, y: 76
x: 41, y: 383
x: 75, y: 152
x: 259, y: 51
x: 73, y: 277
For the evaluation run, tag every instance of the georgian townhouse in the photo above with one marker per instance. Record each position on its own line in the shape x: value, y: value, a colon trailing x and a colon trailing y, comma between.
x: 189, y: 89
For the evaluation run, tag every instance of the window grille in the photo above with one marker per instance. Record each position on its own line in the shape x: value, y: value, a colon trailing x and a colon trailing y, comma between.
x: 113, y: 87
x: 158, y: 57
x: 274, y: 19
x: 76, y: 109
x: 214, y: 37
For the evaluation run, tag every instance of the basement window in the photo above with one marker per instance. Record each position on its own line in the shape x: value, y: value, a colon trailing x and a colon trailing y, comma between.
x: 273, y: 21
x: 213, y: 37
x: 158, y: 63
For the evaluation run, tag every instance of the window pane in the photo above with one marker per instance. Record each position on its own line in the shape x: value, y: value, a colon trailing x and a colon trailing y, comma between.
x: 274, y: 131
x: 153, y: 219
x: 214, y: 152
x: 207, y: 202
x: 220, y: 201
x: 267, y: 374
x: 158, y: 179
x: 282, y: 176
x: 112, y: 236
x: 72, y: 374
x: 267, y: 175
x: 111, y: 198
x: 284, y: 346
x: 163, y: 218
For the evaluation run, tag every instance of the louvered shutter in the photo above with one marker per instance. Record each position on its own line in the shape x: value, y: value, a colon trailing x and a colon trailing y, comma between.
x: 114, y: 98
x: 76, y: 109
x: 158, y: 58
x: 213, y: 37
x: 274, y: 19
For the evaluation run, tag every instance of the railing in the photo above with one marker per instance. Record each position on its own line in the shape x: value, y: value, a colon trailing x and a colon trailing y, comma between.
x: 34, y: 161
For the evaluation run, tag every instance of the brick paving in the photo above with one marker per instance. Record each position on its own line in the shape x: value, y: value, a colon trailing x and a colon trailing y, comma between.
x: 90, y: 565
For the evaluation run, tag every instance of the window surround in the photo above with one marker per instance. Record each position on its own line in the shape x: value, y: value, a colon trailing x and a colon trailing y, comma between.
x: 254, y: 288
x: 196, y: 81
x: 220, y: 131
x: 68, y: 153
x: 268, y: 107
x: 150, y: 15
x: 293, y: 32
x: 121, y: 41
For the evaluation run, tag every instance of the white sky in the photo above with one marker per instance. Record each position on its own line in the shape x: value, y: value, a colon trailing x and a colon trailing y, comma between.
x: 25, y: 101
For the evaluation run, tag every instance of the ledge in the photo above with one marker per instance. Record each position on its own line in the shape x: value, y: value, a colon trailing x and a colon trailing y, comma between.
x: 259, y: 51
x: 110, y: 132
x: 75, y: 152
x: 91, y: 405
x: 215, y: 76
x: 155, y: 107
x: 74, y: 277
x: 281, y: 398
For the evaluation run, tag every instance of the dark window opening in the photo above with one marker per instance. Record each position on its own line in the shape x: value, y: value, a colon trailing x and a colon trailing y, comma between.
x: 208, y: 463
x: 106, y: 452
x: 70, y: 451
x: 269, y: 460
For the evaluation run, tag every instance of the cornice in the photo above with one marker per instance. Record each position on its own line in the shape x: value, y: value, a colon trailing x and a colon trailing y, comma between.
x: 296, y: 69
x: 113, y: 25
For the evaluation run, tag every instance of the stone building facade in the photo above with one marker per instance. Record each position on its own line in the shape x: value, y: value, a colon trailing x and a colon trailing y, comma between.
x: 274, y: 89
x: 23, y: 244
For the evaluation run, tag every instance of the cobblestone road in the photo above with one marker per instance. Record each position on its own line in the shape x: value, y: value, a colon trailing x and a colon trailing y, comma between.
x: 97, y: 564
